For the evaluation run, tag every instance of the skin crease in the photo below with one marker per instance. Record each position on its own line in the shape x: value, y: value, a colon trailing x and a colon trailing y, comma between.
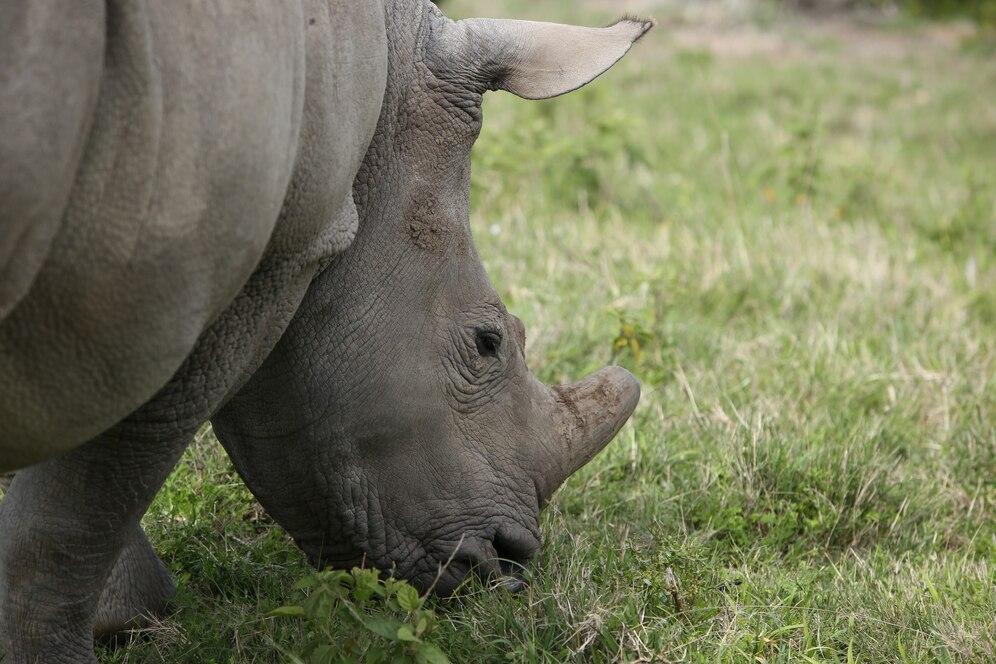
x: 394, y: 423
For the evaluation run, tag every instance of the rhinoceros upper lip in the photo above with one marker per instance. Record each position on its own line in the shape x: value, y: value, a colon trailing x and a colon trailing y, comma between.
x: 320, y: 556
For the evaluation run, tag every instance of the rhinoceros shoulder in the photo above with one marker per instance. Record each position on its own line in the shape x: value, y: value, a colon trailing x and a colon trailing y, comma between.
x: 49, y: 79
x: 203, y: 160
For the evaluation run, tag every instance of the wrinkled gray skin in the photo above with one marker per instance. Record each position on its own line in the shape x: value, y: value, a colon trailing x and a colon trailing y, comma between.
x: 395, y: 421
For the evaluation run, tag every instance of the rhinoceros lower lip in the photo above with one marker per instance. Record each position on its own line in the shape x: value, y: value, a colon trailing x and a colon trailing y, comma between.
x: 513, y: 584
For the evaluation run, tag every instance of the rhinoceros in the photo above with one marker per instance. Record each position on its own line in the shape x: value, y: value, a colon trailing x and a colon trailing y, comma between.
x: 257, y: 214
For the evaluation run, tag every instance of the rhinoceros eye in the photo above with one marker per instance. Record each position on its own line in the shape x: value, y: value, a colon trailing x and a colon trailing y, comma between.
x: 488, y: 342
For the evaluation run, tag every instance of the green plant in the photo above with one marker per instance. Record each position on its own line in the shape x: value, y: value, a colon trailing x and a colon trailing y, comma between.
x: 389, y: 620
x: 632, y: 340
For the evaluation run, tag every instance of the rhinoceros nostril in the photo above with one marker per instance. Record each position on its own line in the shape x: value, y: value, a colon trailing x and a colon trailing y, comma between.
x: 515, y: 546
x: 510, y: 567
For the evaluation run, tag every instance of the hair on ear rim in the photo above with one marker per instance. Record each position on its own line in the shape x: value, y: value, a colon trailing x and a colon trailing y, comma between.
x: 646, y: 23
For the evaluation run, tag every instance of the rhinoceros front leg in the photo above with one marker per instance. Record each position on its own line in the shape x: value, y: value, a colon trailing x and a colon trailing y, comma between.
x: 64, y: 525
x: 139, y: 585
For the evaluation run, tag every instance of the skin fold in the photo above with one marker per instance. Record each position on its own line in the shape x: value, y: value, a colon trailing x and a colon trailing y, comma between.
x: 372, y: 391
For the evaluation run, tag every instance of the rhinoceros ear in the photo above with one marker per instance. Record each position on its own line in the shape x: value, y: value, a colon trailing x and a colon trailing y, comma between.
x: 541, y: 60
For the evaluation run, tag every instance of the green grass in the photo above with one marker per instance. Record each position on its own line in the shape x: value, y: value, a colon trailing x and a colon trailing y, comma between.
x: 795, y: 250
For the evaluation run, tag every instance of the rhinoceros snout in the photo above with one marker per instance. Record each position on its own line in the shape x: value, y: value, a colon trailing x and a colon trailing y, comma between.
x: 500, y: 563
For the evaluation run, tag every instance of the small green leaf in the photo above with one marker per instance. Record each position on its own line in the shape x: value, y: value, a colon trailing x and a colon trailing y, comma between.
x: 405, y: 633
x: 376, y: 654
x: 367, y: 584
x: 319, y: 605
x: 305, y: 582
x: 408, y: 598
x: 426, y: 653
x: 323, y: 654
x: 383, y: 626
x: 294, y: 611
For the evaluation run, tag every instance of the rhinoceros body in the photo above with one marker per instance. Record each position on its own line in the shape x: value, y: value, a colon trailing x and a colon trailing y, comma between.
x: 155, y: 156
x: 179, y: 246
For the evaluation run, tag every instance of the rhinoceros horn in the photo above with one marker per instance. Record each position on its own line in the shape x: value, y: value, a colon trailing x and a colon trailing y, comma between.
x: 590, y: 412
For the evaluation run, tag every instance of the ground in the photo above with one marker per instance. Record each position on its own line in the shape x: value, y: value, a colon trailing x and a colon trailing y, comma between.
x: 787, y: 229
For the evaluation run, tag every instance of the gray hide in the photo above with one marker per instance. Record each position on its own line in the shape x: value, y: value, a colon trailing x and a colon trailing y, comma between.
x: 154, y: 155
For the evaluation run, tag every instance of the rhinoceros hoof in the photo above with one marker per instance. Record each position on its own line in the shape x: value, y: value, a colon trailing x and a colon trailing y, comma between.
x: 138, y: 592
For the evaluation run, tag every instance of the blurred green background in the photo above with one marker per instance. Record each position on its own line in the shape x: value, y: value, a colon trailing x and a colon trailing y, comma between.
x: 983, y: 11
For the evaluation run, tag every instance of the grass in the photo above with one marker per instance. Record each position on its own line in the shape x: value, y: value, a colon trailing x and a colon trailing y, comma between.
x: 795, y: 250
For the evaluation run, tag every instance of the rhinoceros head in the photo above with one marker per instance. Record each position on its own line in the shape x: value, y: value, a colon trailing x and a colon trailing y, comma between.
x: 396, y: 423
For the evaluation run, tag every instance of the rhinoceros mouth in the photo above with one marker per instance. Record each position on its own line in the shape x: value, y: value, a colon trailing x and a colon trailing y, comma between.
x: 501, y: 561
x: 485, y: 562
